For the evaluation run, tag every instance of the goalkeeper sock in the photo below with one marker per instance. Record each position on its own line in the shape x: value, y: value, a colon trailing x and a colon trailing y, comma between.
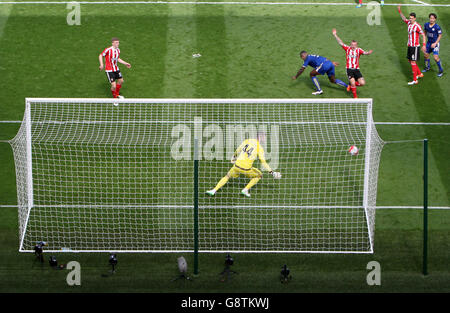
x: 316, y: 82
x: 340, y: 82
x: 221, y: 183
x: 252, y: 183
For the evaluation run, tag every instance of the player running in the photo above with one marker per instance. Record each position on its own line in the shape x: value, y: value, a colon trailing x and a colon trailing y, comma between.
x: 243, y: 159
x: 321, y: 66
x: 111, y: 55
x: 353, y: 53
x: 434, y: 34
x: 413, y: 54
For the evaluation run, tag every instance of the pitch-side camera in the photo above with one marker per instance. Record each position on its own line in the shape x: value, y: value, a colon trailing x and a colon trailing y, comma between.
x: 52, y: 261
x: 39, y: 250
x: 285, y: 274
x: 229, y: 260
x: 113, y: 261
x: 182, y: 267
x: 227, y: 272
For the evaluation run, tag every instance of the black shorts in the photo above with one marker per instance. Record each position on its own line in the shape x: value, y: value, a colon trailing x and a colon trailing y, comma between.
x: 113, y: 76
x: 413, y: 53
x: 354, y: 73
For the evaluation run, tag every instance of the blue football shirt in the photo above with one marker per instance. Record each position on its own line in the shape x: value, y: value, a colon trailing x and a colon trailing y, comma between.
x: 314, y: 60
x: 433, y: 32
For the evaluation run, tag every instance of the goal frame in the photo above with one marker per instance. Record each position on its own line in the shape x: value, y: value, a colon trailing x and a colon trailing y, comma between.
x: 364, y: 205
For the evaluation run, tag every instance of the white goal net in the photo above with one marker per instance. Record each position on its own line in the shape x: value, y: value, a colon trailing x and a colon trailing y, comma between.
x: 118, y: 175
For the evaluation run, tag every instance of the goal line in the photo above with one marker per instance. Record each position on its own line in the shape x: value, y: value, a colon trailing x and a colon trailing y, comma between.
x: 381, y: 207
x: 376, y: 123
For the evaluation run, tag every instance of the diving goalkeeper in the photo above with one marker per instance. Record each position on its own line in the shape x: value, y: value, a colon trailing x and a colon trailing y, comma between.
x: 243, y: 159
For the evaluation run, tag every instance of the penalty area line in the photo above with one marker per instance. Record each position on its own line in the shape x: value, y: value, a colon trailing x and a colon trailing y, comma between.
x: 413, y: 123
x: 383, y: 207
x: 421, y: 2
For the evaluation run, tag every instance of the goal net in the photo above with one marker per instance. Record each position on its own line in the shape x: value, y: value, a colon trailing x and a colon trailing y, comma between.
x: 118, y: 175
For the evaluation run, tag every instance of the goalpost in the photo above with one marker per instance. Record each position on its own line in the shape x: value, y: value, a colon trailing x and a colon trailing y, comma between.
x: 112, y: 175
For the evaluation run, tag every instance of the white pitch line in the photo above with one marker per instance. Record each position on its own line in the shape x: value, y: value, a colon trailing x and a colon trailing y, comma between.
x: 419, y: 3
x: 417, y: 207
x: 412, y: 207
x: 376, y: 123
x: 412, y: 123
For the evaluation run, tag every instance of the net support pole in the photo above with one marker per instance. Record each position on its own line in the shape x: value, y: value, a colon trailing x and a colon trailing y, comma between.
x: 367, y: 164
x: 196, y: 206
x: 425, y: 208
x: 29, y: 156
x: 29, y: 179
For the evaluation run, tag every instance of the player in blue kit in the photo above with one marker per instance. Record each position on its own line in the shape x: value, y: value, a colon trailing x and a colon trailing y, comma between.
x: 434, y: 34
x: 321, y: 66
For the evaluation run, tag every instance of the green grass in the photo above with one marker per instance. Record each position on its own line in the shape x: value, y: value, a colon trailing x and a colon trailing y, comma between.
x: 247, y: 52
x: 398, y: 247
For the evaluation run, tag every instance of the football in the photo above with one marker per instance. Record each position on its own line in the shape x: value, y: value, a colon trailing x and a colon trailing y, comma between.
x: 353, y: 150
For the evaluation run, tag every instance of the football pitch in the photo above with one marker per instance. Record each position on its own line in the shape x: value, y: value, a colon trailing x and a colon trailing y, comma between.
x: 247, y: 50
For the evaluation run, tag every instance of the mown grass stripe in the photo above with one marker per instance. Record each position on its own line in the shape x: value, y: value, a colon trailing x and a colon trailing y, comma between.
x: 212, y: 66
x: 180, y: 70
x: 429, y: 89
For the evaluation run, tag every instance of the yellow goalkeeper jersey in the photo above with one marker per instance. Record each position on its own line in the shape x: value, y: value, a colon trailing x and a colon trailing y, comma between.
x: 247, y: 153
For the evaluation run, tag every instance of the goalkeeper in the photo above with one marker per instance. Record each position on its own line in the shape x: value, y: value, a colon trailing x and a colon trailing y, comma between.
x: 243, y: 159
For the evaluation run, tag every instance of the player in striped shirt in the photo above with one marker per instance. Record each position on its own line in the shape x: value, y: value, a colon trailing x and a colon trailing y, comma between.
x: 353, y: 52
x: 434, y: 34
x: 113, y: 74
x: 413, y: 54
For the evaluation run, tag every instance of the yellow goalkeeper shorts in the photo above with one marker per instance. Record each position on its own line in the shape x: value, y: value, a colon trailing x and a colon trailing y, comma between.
x: 235, y: 171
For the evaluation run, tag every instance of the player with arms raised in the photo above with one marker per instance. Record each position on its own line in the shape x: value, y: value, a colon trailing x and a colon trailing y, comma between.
x: 434, y: 34
x: 321, y: 66
x: 113, y: 74
x: 243, y: 159
x: 353, y: 53
x: 413, y: 54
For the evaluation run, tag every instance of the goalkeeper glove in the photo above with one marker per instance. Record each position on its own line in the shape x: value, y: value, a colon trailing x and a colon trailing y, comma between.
x: 276, y: 175
x: 233, y: 159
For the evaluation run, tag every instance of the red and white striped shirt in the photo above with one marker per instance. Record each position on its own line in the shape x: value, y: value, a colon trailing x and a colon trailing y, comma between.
x: 111, y: 55
x: 353, y: 56
x: 414, y: 30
